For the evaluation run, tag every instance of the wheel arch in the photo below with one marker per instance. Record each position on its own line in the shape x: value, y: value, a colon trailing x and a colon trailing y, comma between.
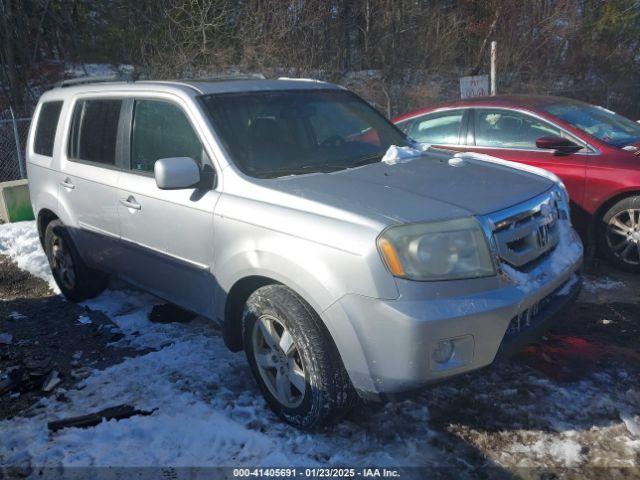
x: 249, y: 280
x: 233, y: 306
x: 604, y: 208
x: 333, y: 319
x: 45, y: 217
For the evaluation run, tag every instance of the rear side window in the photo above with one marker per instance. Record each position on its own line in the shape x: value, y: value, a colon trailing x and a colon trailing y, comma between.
x: 94, y: 131
x: 161, y: 130
x: 438, y: 128
x: 46, y: 128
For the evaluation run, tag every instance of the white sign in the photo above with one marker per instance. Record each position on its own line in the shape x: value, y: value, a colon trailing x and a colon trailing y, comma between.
x: 477, y: 86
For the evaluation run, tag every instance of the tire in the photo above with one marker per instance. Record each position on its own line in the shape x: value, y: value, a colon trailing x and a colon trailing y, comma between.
x: 77, y: 282
x: 619, y: 234
x: 319, y: 390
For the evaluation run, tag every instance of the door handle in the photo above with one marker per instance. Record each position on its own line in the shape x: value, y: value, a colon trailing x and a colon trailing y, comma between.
x: 130, y: 202
x: 68, y: 184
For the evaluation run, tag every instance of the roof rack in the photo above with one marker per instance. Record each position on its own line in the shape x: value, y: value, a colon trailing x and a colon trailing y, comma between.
x: 94, y: 79
x: 231, y: 76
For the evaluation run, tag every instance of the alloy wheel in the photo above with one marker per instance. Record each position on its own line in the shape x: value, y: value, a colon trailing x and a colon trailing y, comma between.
x: 623, y: 236
x: 278, y: 360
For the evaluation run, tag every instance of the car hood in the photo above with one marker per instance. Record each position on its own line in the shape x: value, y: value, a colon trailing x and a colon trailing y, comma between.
x: 424, y: 189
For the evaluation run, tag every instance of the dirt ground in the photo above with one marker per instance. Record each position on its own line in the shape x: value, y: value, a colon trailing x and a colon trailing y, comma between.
x: 568, y: 390
x: 47, y: 337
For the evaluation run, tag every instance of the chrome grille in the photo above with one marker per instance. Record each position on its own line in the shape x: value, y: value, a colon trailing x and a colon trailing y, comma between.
x: 525, y: 232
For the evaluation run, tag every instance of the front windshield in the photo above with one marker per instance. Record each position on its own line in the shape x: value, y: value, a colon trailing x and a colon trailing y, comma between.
x: 598, y: 122
x: 277, y: 133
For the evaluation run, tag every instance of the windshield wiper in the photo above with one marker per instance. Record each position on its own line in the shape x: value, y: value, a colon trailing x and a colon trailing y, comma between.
x: 376, y: 157
x: 319, y: 167
x: 341, y: 166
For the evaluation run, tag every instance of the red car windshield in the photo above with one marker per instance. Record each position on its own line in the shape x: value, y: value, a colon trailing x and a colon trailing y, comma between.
x: 599, y: 122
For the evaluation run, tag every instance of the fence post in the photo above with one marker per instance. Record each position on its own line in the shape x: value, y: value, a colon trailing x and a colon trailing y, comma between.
x: 18, y: 147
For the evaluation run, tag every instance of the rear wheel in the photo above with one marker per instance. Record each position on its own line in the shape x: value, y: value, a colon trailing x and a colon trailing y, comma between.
x: 293, y: 359
x: 77, y: 282
x: 619, y: 234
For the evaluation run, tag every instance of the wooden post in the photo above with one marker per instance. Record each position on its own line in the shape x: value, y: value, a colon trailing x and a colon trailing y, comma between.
x: 494, y: 48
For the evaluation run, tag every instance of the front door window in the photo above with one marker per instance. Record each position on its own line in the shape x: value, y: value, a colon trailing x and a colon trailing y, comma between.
x: 161, y: 130
x: 508, y: 129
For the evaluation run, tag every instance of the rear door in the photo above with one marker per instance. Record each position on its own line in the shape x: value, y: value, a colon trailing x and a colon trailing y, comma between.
x: 446, y: 128
x: 90, y: 168
x: 168, y: 234
x: 512, y: 135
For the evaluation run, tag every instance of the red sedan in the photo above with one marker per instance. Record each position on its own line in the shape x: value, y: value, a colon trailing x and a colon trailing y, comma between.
x: 595, y: 152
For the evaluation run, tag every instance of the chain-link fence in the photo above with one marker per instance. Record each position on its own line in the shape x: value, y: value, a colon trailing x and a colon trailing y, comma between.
x: 13, y: 138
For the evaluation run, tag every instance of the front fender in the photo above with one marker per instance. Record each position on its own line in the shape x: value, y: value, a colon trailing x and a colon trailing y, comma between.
x: 303, y: 280
x: 305, y: 283
x: 320, y: 274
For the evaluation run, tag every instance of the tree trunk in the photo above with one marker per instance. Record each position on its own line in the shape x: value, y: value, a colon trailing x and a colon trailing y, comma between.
x: 15, y: 92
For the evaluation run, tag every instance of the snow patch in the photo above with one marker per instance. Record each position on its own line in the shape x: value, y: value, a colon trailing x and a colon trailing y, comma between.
x: 16, y: 316
x: 395, y: 155
x: 6, y: 339
x: 566, y: 452
x: 457, y: 162
x: 482, y: 157
x: 84, y: 320
x: 602, y: 283
x: 20, y: 242
x: 631, y: 422
x: 566, y: 253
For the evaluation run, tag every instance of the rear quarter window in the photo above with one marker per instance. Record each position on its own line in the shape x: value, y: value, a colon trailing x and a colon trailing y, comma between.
x: 46, y: 128
x: 94, y: 131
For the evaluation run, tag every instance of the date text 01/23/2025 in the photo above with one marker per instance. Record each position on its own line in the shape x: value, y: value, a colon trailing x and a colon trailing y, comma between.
x: 316, y: 472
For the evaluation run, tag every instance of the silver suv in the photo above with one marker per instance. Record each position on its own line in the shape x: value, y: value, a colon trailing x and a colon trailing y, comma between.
x: 274, y: 208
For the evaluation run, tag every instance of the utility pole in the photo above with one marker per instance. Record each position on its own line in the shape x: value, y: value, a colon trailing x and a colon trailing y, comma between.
x: 494, y: 48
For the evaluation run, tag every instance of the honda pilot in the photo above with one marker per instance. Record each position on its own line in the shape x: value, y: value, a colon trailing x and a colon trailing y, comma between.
x: 345, y: 260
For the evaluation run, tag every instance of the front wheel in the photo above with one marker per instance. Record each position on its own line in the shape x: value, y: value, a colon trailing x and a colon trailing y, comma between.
x: 77, y: 282
x: 293, y: 359
x: 619, y: 234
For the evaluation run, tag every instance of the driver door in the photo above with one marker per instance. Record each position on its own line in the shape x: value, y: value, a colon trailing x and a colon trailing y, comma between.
x: 168, y: 233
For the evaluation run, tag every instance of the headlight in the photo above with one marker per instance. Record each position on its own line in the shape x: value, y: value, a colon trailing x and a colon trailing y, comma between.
x: 562, y: 199
x: 452, y: 249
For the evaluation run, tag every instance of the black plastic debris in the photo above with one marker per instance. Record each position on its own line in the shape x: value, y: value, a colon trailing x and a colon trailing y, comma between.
x: 119, y: 412
x: 169, y: 313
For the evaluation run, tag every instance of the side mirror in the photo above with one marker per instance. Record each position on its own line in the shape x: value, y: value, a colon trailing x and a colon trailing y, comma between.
x: 176, y: 173
x: 560, y: 144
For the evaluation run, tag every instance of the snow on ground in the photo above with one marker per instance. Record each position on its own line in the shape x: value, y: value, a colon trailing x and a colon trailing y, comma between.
x: 19, y: 241
x: 208, y: 411
x: 602, y: 283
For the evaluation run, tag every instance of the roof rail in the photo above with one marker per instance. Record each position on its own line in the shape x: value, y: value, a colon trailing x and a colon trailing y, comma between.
x: 232, y: 76
x: 94, y: 79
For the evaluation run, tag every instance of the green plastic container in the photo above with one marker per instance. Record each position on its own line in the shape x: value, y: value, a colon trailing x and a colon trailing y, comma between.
x: 17, y: 203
